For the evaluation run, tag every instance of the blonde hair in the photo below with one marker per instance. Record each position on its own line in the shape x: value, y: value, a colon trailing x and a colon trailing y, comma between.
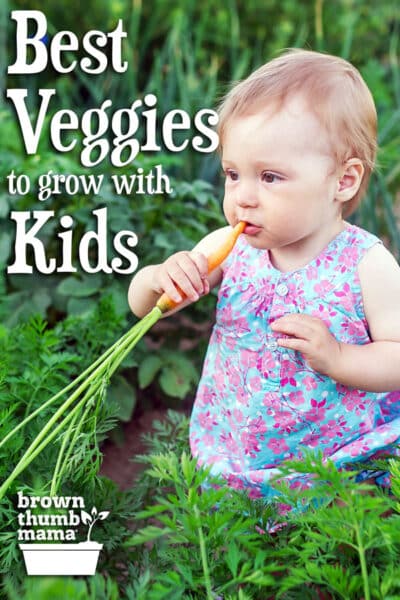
x: 335, y: 92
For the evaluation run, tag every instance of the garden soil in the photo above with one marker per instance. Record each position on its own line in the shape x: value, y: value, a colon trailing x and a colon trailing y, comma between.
x: 118, y: 457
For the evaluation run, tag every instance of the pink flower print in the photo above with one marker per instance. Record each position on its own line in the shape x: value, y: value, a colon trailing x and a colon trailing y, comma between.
x: 312, y: 272
x: 323, y: 287
x: 309, y: 383
x: 284, y: 421
x: 230, y: 342
x: 242, y: 397
x: 341, y: 389
x: 254, y: 384
x: 348, y: 258
x: 324, y: 313
x: 342, y: 422
x: 250, y: 444
x: 229, y: 442
x: 293, y: 292
x: 256, y: 476
x: 358, y: 447
x: 258, y: 426
x: 238, y: 415
x: 330, y: 429
x: 257, y: 297
x: 233, y: 319
x: 325, y: 260
x: 311, y: 440
x: 248, y: 293
x: 289, y: 370
x: 213, y: 459
x: 234, y: 482
x: 233, y: 375
x: 194, y: 445
x: 260, y: 299
x: 278, y: 445
x: 246, y: 359
x: 283, y: 509
x: 388, y: 428
x: 300, y: 484
x: 365, y: 427
x: 207, y: 420
x: 355, y: 331
x: 207, y: 398
x: 207, y: 440
x: 219, y: 385
x: 297, y: 398
x: 265, y: 363
x: 317, y: 412
x: 254, y: 493
x: 346, y: 297
x: 272, y: 401
x: 354, y: 401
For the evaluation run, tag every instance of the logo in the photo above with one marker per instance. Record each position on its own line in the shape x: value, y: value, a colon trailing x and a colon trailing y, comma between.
x: 52, y: 524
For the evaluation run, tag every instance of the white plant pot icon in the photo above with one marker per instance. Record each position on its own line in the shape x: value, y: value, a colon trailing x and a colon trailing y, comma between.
x: 61, y: 559
x: 65, y: 559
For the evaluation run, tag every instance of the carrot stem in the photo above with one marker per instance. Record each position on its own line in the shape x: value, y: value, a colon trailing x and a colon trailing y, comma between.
x: 89, y: 387
x: 90, y: 383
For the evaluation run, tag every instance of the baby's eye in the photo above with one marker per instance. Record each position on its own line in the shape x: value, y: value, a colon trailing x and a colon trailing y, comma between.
x: 231, y: 174
x: 269, y: 177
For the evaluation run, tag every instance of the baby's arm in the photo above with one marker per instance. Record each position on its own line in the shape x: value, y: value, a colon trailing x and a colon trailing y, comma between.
x: 376, y: 366
x: 372, y: 367
x: 188, y: 270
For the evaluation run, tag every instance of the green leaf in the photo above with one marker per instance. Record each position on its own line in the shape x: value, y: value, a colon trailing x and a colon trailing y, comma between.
x: 81, y: 306
x: 5, y: 247
x: 147, y: 534
x: 148, y: 369
x: 4, y: 207
x: 123, y: 394
x: 188, y: 466
x: 232, y: 558
x: 80, y: 287
x: 178, y: 361
x: 174, y: 383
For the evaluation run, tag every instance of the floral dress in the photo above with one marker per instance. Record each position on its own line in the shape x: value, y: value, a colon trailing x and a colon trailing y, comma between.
x: 257, y: 403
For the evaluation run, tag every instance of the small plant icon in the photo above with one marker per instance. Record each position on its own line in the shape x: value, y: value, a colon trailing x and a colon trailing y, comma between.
x: 91, y: 519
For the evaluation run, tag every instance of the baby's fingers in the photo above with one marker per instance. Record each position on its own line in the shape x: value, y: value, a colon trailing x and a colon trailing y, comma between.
x: 294, y: 327
x: 184, y: 273
x: 201, y: 263
x: 166, y: 284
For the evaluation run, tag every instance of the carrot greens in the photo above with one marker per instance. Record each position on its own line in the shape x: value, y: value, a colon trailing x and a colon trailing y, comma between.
x: 87, y: 391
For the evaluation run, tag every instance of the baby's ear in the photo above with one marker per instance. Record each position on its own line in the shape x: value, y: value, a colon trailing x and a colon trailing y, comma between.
x: 349, y: 180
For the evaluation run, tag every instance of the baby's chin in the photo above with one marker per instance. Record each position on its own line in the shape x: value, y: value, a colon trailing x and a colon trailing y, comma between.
x: 257, y: 241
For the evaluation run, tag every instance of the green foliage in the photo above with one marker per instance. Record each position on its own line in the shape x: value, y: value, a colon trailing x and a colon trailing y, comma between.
x: 37, y: 363
x: 181, y: 533
x: 64, y: 588
x: 176, y: 374
x: 187, y: 54
x: 342, y: 540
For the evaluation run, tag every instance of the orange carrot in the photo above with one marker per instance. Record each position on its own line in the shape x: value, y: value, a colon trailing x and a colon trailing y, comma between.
x: 214, y: 260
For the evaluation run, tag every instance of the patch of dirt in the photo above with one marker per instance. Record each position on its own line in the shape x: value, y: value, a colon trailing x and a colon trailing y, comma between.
x: 117, y: 458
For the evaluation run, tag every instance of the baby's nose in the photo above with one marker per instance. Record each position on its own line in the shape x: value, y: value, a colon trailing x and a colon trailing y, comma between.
x: 245, y: 200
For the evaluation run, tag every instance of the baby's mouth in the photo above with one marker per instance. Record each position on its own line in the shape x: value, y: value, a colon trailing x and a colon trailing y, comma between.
x: 251, y: 229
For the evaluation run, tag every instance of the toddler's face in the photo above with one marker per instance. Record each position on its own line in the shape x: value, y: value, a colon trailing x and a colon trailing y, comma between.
x: 280, y: 176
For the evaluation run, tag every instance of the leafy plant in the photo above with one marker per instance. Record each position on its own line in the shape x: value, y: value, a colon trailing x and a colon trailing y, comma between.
x: 175, y: 373
x: 91, y: 518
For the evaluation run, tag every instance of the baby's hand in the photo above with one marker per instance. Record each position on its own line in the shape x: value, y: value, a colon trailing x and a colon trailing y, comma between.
x: 311, y: 338
x: 184, y: 270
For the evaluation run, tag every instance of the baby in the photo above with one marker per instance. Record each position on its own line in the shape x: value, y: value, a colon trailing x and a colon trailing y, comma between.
x: 305, y: 352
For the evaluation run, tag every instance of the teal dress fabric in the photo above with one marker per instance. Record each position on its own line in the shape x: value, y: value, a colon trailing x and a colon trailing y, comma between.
x: 259, y: 404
